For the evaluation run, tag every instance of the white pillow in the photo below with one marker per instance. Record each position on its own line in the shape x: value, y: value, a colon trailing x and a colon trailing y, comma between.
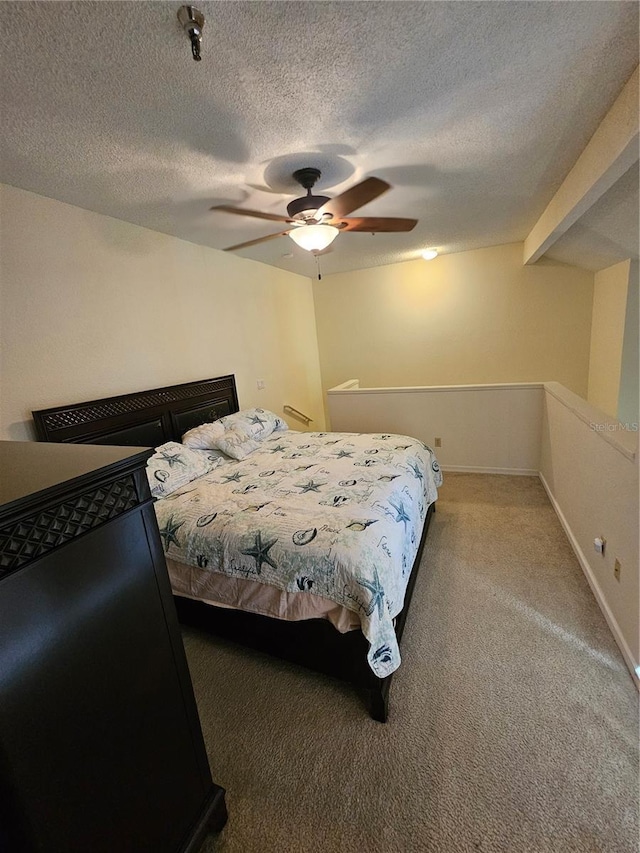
x: 256, y: 424
x: 204, y: 436
x: 237, y: 443
x: 173, y: 465
x: 259, y: 423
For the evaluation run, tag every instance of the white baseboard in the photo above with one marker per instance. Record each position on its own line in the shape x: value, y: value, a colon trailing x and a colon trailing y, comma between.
x: 634, y: 669
x: 472, y: 469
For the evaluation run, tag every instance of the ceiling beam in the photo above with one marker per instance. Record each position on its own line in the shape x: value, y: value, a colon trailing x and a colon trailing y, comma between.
x: 612, y: 150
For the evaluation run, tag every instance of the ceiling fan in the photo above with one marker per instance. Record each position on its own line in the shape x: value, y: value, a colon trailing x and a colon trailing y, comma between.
x: 316, y: 220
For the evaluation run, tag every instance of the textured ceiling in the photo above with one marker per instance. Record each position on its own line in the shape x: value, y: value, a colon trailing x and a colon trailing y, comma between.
x: 474, y: 111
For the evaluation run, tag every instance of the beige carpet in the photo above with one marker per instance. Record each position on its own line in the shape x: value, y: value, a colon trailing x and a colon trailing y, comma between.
x: 513, y: 723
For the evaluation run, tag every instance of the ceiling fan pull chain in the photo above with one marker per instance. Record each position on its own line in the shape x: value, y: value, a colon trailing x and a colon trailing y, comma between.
x: 317, y: 257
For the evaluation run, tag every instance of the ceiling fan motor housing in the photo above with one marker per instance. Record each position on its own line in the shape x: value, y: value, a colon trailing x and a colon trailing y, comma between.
x: 305, y: 208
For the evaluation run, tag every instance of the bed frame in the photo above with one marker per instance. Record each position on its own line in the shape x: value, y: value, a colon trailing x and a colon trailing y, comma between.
x: 149, y: 418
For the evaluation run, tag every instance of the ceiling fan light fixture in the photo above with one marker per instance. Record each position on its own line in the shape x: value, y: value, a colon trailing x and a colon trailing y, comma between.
x: 314, y: 221
x: 429, y: 254
x: 314, y: 238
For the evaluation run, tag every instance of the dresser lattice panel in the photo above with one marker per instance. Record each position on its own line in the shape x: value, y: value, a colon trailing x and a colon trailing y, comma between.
x: 31, y: 537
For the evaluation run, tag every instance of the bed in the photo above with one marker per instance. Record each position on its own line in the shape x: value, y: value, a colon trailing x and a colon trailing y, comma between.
x: 289, y: 518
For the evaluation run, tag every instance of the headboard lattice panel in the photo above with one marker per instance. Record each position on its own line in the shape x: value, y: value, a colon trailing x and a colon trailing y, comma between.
x: 142, y: 418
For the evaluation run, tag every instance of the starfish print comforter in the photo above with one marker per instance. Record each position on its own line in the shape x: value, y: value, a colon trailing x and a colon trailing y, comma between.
x: 335, y: 514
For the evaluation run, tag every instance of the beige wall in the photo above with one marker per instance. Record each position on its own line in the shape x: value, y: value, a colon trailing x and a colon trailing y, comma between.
x: 629, y: 395
x: 590, y: 469
x: 607, y: 334
x: 466, y: 318
x: 92, y: 306
x: 483, y: 428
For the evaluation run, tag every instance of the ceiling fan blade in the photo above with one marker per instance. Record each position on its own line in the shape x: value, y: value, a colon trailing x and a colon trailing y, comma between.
x: 255, y: 242
x: 242, y: 211
x: 378, y: 224
x: 355, y: 197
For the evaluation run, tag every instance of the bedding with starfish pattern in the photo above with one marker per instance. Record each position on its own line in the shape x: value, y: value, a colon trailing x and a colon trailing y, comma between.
x: 334, y: 514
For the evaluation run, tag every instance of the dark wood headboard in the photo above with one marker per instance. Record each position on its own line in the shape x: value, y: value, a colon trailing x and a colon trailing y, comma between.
x: 142, y: 418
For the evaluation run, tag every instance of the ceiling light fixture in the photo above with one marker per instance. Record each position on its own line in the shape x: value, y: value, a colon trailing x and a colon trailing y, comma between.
x: 429, y: 254
x: 314, y: 238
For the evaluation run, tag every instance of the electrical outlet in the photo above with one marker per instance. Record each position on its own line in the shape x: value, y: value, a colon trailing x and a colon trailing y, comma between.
x: 438, y: 442
x: 260, y: 384
x: 617, y: 568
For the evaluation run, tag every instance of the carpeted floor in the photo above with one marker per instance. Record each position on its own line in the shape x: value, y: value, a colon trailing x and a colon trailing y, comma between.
x: 513, y: 724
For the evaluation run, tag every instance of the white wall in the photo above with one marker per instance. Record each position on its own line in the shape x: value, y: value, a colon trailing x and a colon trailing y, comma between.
x: 607, y: 334
x: 483, y: 428
x: 92, y: 306
x: 590, y: 469
x: 477, y: 317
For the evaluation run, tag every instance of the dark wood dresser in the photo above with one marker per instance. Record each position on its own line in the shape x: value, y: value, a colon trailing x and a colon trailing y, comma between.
x: 101, y: 749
